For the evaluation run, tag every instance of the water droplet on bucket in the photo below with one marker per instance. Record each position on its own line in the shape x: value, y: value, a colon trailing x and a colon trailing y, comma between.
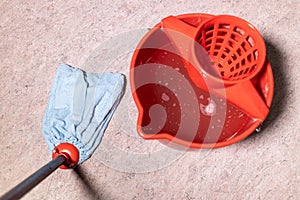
x: 165, y: 97
x: 209, y: 109
x: 241, y: 115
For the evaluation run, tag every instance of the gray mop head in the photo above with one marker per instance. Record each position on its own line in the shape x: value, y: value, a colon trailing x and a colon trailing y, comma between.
x: 80, y: 107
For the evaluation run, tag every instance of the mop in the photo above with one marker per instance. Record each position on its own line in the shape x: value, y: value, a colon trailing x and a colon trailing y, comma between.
x: 79, y: 109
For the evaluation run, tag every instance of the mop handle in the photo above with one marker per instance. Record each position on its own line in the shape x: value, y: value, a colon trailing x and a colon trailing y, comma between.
x: 25, y: 186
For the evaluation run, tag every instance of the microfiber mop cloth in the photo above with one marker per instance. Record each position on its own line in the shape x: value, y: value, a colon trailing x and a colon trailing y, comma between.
x: 80, y: 107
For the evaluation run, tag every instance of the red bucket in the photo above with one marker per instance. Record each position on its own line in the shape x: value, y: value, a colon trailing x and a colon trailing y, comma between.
x: 173, y: 106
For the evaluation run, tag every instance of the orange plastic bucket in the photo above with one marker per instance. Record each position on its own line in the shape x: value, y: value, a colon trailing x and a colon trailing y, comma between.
x: 198, y: 103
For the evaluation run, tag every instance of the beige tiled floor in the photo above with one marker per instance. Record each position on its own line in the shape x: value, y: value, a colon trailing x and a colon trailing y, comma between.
x: 36, y: 36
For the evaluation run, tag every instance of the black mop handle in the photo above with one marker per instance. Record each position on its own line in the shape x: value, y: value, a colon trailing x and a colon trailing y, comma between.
x: 64, y: 155
x: 25, y: 186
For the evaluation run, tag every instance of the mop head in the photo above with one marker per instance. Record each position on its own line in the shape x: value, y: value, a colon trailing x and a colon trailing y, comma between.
x: 80, y: 107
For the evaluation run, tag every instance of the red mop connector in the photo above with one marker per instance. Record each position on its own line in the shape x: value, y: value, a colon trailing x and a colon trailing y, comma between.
x: 69, y: 151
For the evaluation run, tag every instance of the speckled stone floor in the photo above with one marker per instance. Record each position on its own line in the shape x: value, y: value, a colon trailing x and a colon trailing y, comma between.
x: 37, y: 36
